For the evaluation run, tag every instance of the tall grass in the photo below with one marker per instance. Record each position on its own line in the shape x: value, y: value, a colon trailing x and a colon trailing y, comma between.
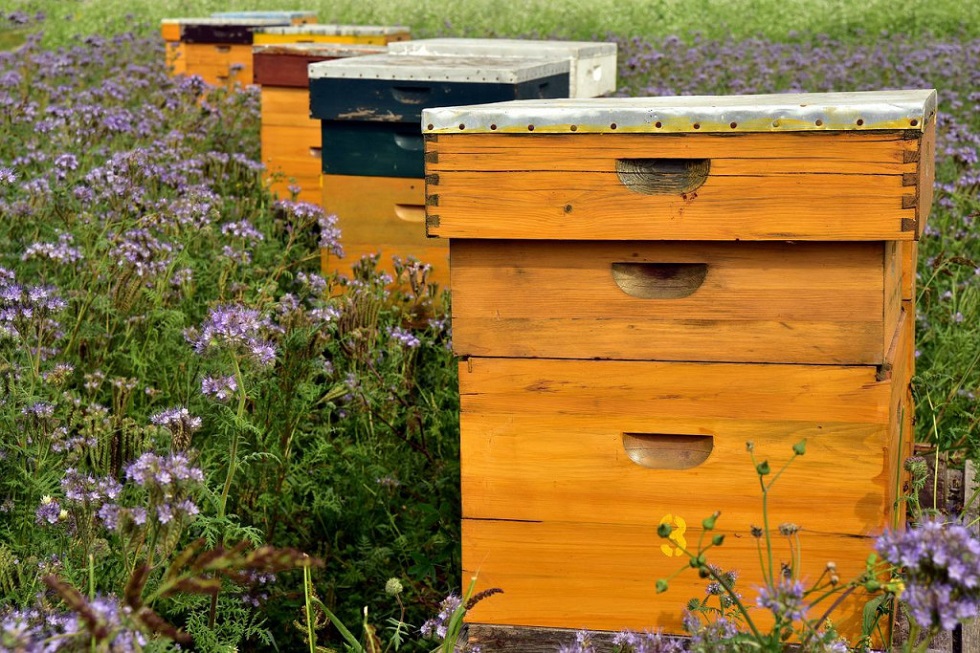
x: 569, y: 19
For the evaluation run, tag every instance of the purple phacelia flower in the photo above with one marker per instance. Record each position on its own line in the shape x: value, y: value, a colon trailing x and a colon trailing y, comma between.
x: 242, y: 229
x: 48, y: 512
x: 406, y: 338
x: 152, y: 470
x: 439, y: 624
x: 221, y: 388
x: 941, y: 570
x: 60, y: 252
x: 238, y: 328
x: 785, y: 600
x: 177, y: 419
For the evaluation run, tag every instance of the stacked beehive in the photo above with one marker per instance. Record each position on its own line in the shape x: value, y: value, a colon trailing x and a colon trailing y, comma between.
x: 641, y: 286
x: 370, y: 110
x: 217, y: 49
x: 290, y: 139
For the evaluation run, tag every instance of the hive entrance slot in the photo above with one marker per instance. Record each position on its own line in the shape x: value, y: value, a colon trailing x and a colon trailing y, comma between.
x: 662, y: 176
x: 659, y: 280
x: 667, y: 450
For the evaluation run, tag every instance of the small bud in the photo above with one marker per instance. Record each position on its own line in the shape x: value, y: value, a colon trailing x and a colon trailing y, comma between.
x: 664, y: 530
x: 831, y: 566
x: 762, y: 469
x: 750, y: 446
x: 718, y: 539
x: 703, y: 572
x: 834, y: 580
x: 62, y: 515
x: 872, y: 586
x: 756, y: 531
x: 788, y: 529
x: 661, y: 586
x: 709, y: 522
x: 800, y: 448
x: 393, y: 587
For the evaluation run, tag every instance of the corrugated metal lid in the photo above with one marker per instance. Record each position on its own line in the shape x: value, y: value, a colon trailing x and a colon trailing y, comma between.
x: 474, y: 69
x: 906, y: 109
x: 503, y: 47
x: 338, y: 30
x: 319, y: 49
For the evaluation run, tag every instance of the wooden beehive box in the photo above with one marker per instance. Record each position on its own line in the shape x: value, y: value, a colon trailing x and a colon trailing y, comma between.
x: 334, y: 33
x: 592, y: 70
x: 370, y: 110
x: 217, y: 49
x: 290, y: 138
x: 641, y: 286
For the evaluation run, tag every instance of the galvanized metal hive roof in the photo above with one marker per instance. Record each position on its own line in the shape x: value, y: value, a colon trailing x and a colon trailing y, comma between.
x: 337, y: 30
x: 870, y: 110
x: 318, y: 49
x: 503, y: 47
x: 475, y: 69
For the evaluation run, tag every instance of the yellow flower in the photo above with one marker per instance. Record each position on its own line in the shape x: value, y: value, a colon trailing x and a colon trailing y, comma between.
x: 678, y: 527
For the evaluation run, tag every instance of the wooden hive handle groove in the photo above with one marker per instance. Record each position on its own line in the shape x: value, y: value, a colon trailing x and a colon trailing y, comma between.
x: 659, y: 280
x: 662, y: 176
x: 410, y: 212
x: 411, y: 94
x: 667, y: 450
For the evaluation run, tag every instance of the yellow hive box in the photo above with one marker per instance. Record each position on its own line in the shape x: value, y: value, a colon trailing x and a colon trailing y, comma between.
x: 382, y: 215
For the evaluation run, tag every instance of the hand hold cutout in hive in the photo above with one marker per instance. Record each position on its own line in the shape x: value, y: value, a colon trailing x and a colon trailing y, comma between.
x: 659, y: 280
x: 663, y: 176
x: 667, y: 450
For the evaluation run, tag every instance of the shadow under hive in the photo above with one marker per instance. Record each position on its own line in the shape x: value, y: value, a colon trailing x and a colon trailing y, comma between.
x: 641, y: 286
x: 370, y: 110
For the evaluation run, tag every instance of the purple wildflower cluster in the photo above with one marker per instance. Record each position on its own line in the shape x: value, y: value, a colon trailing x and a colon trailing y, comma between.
x: 45, y: 630
x: 438, y: 626
x: 28, y: 314
x: 238, y: 329
x: 221, y: 388
x: 940, y: 565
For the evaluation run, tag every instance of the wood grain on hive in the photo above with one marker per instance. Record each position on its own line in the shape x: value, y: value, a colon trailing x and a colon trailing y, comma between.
x: 290, y: 138
x: 641, y: 286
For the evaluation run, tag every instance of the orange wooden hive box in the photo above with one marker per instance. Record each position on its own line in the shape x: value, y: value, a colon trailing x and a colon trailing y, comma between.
x: 290, y: 138
x: 217, y: 49
x: 641, y: 286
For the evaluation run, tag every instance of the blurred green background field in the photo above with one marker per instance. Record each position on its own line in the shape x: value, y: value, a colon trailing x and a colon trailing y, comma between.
x: 571, y: 19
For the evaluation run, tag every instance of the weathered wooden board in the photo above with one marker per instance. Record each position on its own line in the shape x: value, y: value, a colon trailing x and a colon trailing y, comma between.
x: 755, y: 301
x: 381, y: 215
x: 786, y: 186
x: 292, y: 151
